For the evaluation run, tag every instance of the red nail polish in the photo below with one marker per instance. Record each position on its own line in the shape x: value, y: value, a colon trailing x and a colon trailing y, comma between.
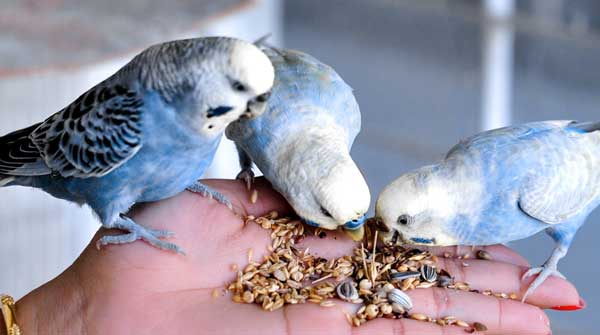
x: 582, y: 305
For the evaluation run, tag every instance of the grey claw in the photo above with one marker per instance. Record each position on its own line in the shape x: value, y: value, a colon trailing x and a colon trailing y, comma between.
x: 137, y: 232
x: 247, y: 176
x: 210, y: 193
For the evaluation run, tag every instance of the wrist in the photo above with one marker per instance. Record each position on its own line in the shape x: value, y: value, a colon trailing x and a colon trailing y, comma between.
x: 54, y: 308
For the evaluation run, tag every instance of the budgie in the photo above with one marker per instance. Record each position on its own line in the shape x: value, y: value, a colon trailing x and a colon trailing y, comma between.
x: 302, y: 143
x: 499, y: 186
x: 144, y: 134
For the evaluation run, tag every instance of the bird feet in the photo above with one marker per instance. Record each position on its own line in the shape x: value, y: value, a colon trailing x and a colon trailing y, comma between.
x: 137, y: 232
x: 247, y: 176
x: 210, y: 193
x: 543, y: 273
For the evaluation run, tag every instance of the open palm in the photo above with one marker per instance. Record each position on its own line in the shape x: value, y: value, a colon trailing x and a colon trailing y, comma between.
x: 137, y: 289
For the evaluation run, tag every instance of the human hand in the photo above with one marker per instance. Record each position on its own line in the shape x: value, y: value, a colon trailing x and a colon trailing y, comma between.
x: 137, y: 289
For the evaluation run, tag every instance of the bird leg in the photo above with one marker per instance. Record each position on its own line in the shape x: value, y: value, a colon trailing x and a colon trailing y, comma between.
x: 246, y: 174
x: 137, y: 232
x: 210, y: 193
x: 550, y: 267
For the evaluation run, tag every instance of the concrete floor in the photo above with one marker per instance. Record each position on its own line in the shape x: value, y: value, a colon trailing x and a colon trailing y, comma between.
x: 416, y: 71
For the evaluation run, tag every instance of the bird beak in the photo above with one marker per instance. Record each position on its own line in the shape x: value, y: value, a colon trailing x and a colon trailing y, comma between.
x: 256, y: 106
x: 355, y: 234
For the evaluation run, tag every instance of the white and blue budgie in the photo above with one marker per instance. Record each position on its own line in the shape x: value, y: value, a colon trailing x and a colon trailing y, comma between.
x: 302, y: 143
x: 144, y: 134
x: 499, y: 186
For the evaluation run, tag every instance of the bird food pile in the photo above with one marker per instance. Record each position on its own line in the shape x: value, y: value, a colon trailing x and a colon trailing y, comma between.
x: 375, y: 278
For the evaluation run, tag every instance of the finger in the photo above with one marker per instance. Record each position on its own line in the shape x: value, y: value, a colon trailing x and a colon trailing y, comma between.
x: 405, y: 327
x: 497, y: 276
x: 506, y: 278
x: 333, y: 320
x: 497, y: 252
x: 268, y: 199
x: 500, y: 316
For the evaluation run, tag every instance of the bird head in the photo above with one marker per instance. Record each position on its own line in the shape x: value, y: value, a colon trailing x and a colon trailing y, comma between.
x: 416, y: 209
x: 212, y: 81
x: 239, y: 85
x: 322, y: 183
x: 340, y: 198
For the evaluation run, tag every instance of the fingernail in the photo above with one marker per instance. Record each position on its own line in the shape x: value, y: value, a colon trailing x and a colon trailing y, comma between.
x: 582, y: 305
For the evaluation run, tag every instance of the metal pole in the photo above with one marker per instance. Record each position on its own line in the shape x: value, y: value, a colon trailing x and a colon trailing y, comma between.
x: 497, y: 65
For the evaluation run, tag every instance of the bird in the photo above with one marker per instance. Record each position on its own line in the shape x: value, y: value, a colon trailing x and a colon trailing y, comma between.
x: 302, y: 143
x: 144, y: 134
x: 498, y: 186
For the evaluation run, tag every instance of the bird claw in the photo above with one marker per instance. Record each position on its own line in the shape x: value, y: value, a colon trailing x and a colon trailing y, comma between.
x: 247, y: 176
x: 543, y: 273
x: 210, y: 193
x: 137, y: 232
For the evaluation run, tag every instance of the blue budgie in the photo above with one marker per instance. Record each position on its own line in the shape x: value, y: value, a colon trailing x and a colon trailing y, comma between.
x: 144, y: 134
x: 302, y: 143
x: 499, y: 186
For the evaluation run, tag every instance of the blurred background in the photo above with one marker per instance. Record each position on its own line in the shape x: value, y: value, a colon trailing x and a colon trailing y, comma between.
x: 426, y: 74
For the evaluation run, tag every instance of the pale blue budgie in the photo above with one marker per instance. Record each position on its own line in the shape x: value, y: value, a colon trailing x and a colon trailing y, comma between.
x: 302, y: 143
x: 499, y: 186
x: 144, y: 134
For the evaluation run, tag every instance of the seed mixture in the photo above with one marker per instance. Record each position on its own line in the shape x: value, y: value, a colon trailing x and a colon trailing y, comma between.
x: 374, y: 277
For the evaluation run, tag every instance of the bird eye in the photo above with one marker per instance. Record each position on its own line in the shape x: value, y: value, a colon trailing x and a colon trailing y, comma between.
x: 325, y: 212
x: 405, y: 219
x: 238, y: 86
x: 263, y: 97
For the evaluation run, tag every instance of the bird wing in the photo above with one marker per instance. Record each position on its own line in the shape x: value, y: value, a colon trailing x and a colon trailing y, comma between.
x: 504, y: 136
x: 95, y: 134
x: 567, y: 179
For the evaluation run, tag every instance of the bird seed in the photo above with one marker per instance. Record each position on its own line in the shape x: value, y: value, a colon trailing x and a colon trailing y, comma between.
x: 376, y: 277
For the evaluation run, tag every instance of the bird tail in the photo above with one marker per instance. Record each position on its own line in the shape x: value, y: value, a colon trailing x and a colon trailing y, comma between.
x: 4, y: 180
x: 19, y: 156
x: 586, y: 127
x: 262, y: 41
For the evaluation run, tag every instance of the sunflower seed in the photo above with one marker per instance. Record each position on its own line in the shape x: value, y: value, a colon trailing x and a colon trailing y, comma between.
x: 444, y: 281
x: 400, y: 276
x: 480, y: 327
x: 346, y: 291
x: 428, y: 273
x: 401, y: 298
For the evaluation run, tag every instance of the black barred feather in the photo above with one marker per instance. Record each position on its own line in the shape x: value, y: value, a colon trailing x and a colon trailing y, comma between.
x: 19, y: 156
x: 94, y: 135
